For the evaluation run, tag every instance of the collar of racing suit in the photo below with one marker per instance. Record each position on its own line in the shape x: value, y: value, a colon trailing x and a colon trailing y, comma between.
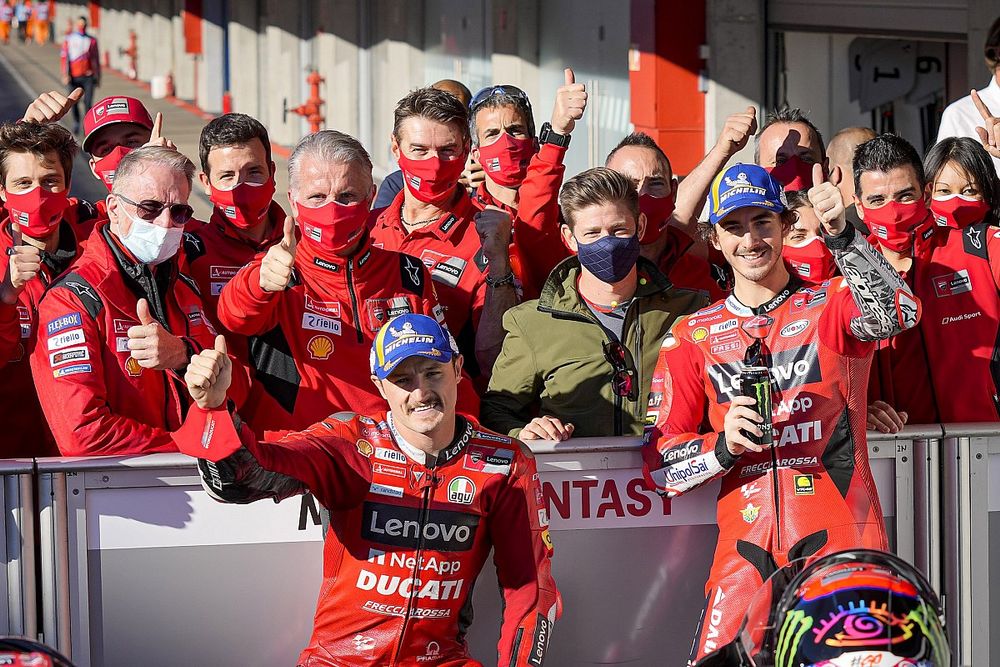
x: 559, y: 294
x: 275, y: 216
x: 790, y: 288
x: 308, y: 255
x: 463, y: 433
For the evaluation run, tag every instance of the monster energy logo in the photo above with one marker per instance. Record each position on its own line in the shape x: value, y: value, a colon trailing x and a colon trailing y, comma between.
x: 763, y: 392
x: 796, y: 624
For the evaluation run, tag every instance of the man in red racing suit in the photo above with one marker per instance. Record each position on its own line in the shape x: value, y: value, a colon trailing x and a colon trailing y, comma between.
x: 811, y: 492
x: 414, y: 510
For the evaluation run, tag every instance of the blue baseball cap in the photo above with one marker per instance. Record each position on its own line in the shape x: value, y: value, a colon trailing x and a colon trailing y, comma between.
x: 406, y: 336
x: 742, y: 186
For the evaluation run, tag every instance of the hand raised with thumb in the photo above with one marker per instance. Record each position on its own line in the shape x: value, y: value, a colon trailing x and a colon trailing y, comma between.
x: 827, y: 200
x: 276, y: 267
x: 209, y: 375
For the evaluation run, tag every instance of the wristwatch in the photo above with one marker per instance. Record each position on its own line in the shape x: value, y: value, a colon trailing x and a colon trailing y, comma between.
x: 547, y: 136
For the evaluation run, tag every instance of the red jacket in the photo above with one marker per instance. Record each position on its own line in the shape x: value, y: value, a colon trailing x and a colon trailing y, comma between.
x: 310, y: 344
x: 691, y: 270
x: 536, y: 245
x: 812, y: 493
x: 406, y: 540
x: 26, y: 433
x: 96, y: 398
x: 947, y: 369
x: 451, y: 250
x: 215, y: 252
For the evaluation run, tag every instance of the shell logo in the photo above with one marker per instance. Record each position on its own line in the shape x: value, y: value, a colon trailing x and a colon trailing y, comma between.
x: 133, y: 367
x: 365, y: 448
x: 320, y: 348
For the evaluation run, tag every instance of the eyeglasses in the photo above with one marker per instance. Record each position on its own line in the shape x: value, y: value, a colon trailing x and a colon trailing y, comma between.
x: 150, y: 209
x: 623, y: 380
x: 489, y: 91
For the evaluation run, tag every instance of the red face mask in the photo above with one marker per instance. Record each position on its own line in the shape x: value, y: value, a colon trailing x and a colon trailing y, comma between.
x: 957, y: 211
x: 431, y: 180
x: 108, y: 165
x: 38, y: 211
x: 333, y: 226
x: 244, y: 205
x: 793, y: 173
x: 892, y: 225
x: 657, y: 211
x: 812, y: 260
x: 505, y: 161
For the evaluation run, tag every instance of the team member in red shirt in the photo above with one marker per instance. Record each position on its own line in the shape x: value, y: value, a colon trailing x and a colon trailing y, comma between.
x: 418, y: 498
x: 524, y: 173
x: 238, y: 177
x: 312, y: 303
x: 671, y: 239
x: 811, y: 492
x: 119, y: 327
x: 113, y: 127
x: 519, y: 198
x: 41, y: 237
x: 788, y: 145
x: 945, y: 370
x: 432, y: 218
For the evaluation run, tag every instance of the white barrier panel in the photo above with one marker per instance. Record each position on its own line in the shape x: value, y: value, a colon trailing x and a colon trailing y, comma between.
x: 971, y: 503
x: 17, y: 544
x: 140, y: 566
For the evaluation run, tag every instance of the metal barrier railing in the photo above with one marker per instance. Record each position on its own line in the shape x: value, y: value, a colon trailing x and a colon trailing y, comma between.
x: 630, y: 566
x: 18, y: 616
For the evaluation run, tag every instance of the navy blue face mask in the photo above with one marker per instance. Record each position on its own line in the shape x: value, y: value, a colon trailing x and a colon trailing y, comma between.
x: 609, y: 258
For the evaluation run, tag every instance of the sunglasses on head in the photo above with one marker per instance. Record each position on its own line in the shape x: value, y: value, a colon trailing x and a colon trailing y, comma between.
x: 150, y: 209
x: 489, y: 91
x: 623, y: 380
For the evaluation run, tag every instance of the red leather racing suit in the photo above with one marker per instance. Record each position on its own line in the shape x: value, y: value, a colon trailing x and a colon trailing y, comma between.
x: 408, y: 535
x: 812, y: 493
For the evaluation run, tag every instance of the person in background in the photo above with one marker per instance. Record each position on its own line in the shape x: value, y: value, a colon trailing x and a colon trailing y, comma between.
x: 6, y: 16
x: 788, y: 145
x: 950, y: 256
x: 578, y: 361
x: 840, y: 153
x: 472, y: 176
x: 43, y: 232
x: 804, y: 251
x: 22, y: 12
x: 962, y: 117
x: 119, y: 328
x: 113, y: 127
x: 670, y: 238
x: 80, y: 67
x: 40, y: 22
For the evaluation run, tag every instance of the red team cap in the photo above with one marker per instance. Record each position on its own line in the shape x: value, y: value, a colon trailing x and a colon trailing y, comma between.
x: 113, y: 110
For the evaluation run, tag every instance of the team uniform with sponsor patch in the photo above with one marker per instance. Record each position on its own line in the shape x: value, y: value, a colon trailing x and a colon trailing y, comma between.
x: 536, y: 245
x: 216, y: 252
x: 309, y: 344
x: 26, y: 432
x: 408, y: 534
x: 98, y: 399
x: 812, y: 493
x: 451, y: 251
x: 946, y: 370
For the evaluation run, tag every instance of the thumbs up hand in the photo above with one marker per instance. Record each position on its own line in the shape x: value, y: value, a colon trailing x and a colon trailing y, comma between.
x: 151, y: 345
x: 276, y: 267
x: 737, y: 131
x: 24, y: 264
x: 571, y: 102
x: 827, y: 201
x: 209, y: 375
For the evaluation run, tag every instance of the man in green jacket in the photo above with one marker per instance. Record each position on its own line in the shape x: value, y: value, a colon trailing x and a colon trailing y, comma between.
x: 579, y: 359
